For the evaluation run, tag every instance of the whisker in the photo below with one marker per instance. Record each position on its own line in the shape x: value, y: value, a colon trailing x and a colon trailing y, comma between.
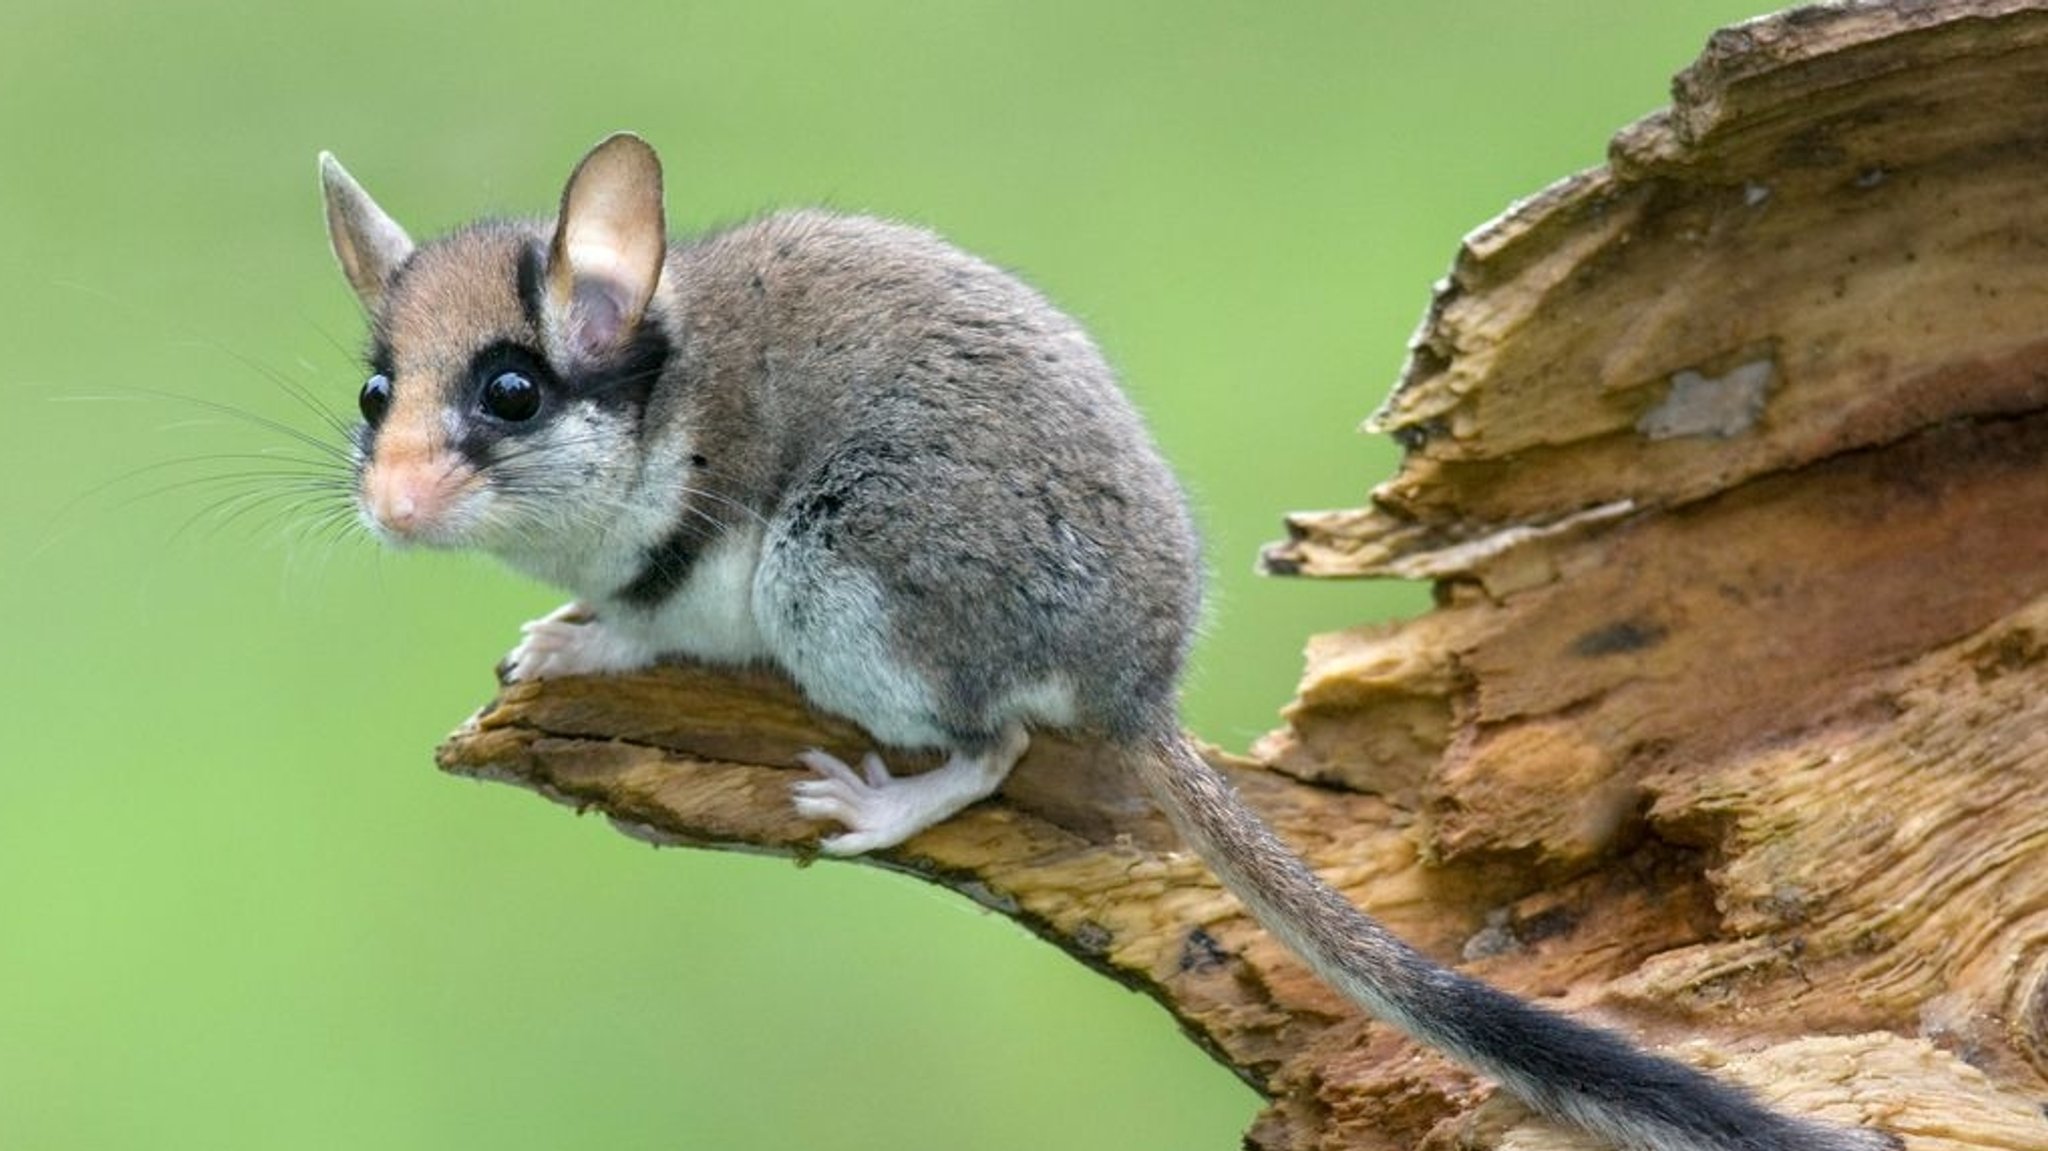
x: 290, y: 506
x: 324, y: 447
x: 327, y: 527
x: 299, y: 466
x: 728, y: 501
x: 225, y: 511
x: 305, y: 396
x: 269, y: 481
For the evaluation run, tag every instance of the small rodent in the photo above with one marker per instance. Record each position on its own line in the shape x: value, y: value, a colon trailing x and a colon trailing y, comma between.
x: 846, y: 449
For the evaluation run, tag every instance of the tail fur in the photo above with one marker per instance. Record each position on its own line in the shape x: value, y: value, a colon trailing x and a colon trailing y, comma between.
x: 1567, y: 1071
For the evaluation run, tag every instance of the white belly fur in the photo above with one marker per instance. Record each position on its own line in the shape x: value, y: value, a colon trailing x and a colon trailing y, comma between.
x: 711, y: 616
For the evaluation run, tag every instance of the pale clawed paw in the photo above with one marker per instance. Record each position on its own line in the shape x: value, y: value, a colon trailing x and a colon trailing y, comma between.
x: 877, y: 809
x: 568, y: 641
x: 880, y: 810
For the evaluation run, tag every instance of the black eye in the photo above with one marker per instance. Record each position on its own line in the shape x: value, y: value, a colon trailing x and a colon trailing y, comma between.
x: 511, y: 397
x: 376, y: 398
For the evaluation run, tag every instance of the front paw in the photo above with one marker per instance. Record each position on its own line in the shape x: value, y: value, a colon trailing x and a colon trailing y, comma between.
x: 568, y: 641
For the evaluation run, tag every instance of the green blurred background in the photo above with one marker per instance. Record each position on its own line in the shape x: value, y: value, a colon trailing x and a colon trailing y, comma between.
x: 239, y: 908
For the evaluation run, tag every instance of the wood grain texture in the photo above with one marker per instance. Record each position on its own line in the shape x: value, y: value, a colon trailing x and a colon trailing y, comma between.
x: 1730, y: 726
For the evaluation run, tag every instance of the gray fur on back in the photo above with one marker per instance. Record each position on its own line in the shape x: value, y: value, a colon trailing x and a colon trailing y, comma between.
x: 910, y: 417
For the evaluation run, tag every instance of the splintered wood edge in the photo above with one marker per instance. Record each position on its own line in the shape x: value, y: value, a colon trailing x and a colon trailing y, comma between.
x: 688, y: 756
x: 1715, y: 304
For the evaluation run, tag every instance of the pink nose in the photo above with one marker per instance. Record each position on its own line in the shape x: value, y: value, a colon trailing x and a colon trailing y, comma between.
x: 410, y: 498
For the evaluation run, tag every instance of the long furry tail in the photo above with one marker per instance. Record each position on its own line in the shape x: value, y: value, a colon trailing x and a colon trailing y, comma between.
x: 1567, y: 1071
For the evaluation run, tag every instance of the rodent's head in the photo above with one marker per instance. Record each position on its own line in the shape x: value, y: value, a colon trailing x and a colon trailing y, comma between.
x: 510, y: 363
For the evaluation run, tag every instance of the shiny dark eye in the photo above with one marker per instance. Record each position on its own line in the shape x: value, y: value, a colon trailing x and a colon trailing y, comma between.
x: 376, y: 398
x: 511, y: 397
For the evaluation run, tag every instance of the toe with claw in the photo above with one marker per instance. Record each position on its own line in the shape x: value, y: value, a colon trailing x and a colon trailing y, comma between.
x: 568, y: 641
x: 864, y: 801
x: 880, y: 810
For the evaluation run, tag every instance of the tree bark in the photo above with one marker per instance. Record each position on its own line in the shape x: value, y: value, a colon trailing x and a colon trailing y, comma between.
x: 1729, y: 461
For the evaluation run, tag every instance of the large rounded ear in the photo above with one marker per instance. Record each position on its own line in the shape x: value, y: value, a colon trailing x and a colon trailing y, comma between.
x: 609, y: 244
x: 369, y: 244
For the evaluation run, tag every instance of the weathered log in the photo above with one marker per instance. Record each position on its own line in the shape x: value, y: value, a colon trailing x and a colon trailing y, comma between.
x: 1730, y: 728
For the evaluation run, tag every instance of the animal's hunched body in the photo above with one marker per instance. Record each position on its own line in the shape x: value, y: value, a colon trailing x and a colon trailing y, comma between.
x: 846, y: 449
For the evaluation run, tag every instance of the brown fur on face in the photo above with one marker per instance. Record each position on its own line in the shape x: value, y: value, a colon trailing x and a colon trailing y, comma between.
x: 437, y: 313
x: 558, y: 304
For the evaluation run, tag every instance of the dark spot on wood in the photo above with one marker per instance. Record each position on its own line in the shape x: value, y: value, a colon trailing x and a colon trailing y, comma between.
x: 1547, y: 924
x: 2014, y: 651
x: 1619, y: 638
x: 1200, y: 952
x: 1093, y: 938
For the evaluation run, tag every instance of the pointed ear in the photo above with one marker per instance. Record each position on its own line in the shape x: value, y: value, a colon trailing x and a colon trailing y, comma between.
x: 369, y: 244
x: 609, y: 245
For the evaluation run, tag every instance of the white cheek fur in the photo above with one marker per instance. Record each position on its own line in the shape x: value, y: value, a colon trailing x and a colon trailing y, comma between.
x: 586, y: 520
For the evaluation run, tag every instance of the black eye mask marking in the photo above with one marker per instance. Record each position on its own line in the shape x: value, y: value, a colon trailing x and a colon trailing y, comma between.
x: 531, y: 283
x: 479, y: 393
x: 626, y: 380
x: 507, y: 393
